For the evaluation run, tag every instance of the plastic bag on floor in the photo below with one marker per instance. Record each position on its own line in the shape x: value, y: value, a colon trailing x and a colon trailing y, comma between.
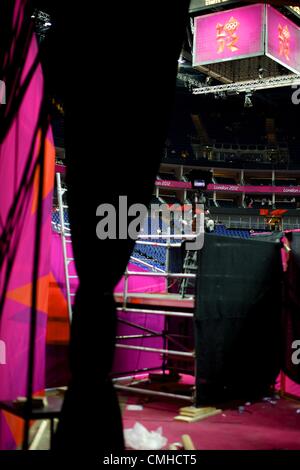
x: 139, y: 438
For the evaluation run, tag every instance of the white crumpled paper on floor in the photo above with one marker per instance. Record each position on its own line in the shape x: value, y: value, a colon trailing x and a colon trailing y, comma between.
x: 139, y: 438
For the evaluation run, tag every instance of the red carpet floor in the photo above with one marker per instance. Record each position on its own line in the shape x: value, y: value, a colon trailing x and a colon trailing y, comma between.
x: 262, y: 426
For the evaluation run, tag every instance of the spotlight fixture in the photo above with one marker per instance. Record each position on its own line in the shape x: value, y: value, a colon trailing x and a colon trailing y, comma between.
x: 261, y: 72
x: 42, y: 22
x: 208, y: 80
x: 220, y: 95
x: 189, y: 80
x: 248, y: 101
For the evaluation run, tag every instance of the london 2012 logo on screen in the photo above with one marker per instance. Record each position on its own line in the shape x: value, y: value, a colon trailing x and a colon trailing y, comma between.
x: 284, y: 37
x: 227, y: 36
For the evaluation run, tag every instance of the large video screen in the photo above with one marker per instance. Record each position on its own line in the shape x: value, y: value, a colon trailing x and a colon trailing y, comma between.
x: 228, y: 35
x: 283, y: 40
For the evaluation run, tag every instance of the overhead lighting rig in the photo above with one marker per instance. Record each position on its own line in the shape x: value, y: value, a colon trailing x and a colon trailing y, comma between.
x: 189, y: 80
x: 249, y: 86
x: 42, y: 22
x: 248, y: 100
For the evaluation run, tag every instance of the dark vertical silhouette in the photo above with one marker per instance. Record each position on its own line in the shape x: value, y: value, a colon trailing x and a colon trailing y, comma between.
x: 115, y: 68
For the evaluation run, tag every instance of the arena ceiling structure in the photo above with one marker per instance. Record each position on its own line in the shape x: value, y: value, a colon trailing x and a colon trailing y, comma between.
x: 197, y: 5
x: 193, y: 83
x: 257, y: 72
x: 200, y: 89
x: 45, y: 12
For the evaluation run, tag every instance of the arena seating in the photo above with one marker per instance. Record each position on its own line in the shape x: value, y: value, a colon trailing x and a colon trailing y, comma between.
x: 222, y: 230
x: 226, y: 203
x: 56, y: 217
x: 286, y: 182
x: 170, y: 199
x: 286, y: 205
x: 259, y: 182
x: 223, y: 180
x: 155, y: 257
x: 166, y: 176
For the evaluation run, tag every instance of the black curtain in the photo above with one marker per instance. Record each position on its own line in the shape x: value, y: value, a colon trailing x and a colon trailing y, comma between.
x: 115, y: 66
x: 238, y: 315
x: 291, y: 309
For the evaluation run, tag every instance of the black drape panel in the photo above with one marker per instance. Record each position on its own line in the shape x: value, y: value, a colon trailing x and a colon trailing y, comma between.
x: 118, y: 63
x: 291, y: 313
x: 237, y: 322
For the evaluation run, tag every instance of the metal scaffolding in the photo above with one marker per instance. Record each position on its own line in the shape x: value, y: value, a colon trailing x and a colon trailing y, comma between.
x: 167, y: 305
x: 291, y: 80
x: 164, y: 304
x: 65, y: 239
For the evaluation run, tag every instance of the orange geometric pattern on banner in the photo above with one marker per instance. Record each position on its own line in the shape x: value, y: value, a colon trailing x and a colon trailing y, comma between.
x: 58, y: 326
x: 23, y: 294
x: 22, y: 248
x: 16, y: 426
x: 49, y: 163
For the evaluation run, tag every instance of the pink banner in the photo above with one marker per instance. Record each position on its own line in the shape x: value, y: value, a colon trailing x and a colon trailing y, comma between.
x: 289, y: 190
x: 58, y: 318
x: 283, y: 43
x: 290, y: 387
x: 19, y: 182
x: 129, y: 360
x: 58, y: 315
x: 233, y: 34
x: 60, y: 168
x: 173, y: 184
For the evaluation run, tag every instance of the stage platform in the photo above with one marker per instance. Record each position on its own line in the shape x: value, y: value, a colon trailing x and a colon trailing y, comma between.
x: 156, y: 299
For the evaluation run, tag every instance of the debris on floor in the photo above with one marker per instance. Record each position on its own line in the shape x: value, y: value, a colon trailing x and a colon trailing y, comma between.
x: 134, y: 407
x: 187, y: 442
x: 190, y: 414
x: 175, y: 446
x: 139, y: 438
